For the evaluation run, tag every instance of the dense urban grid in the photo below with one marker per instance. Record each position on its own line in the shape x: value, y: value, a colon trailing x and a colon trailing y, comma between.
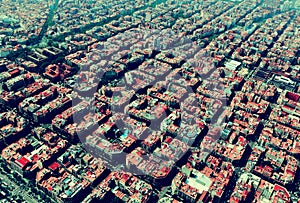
x: 90, y: 113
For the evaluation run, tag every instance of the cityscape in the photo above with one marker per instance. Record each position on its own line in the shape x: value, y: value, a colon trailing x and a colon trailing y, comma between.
x: 141, y: 101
